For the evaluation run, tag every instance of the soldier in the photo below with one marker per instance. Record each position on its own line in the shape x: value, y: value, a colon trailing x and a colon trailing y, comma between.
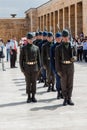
x: 38, y: 42
x: 43, y: 70
x: 64, y: 66
x: 30, y: 65
x: 36, y: 38
x: 58, y: 38
x: 46, y: 61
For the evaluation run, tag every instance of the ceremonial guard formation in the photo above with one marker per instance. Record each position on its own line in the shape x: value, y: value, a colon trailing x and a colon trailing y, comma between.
x: 50, y: 60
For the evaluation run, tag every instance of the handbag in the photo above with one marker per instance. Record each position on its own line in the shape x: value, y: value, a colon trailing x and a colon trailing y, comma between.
x: 2, y: 54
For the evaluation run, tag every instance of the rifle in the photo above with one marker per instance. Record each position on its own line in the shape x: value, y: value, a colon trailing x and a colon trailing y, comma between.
x: 51, y: 29
x: 74, y: 58
x: 45, y: 28
x: 58, y: 27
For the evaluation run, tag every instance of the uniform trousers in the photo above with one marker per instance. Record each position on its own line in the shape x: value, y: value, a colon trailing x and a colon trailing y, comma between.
x: 67, y: 79
x: 50, y: 76
x: 30, y: 78
x: 58, y: 82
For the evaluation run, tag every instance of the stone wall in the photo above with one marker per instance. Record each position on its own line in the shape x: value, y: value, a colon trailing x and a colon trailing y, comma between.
x: 32, y: 19
x: 13, y: 27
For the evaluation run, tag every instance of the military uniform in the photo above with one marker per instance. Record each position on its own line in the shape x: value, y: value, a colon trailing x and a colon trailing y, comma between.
x: 35, y: 42
x: 43, y: 70
x: 52, y: 59
x: 65, y: 68
x: 38, y: 43
x: 30, y: 65
x: 46, y: 63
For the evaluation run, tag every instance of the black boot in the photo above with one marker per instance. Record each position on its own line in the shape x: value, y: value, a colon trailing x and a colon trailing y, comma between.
x: 53, y: 88
x: 48, y: 90
x: 33, y: 98
x: 69, y: 102
x: 45, y: 83
x: 29, y: 99
x: 59, y: 95
x: 65, y: 102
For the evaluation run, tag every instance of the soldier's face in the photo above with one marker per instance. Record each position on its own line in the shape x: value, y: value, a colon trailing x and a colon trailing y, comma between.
x: 50, y: 39
x: 65, y: 39
x: 59, y: 39
x: 30, y: 41
x: 44, y: 37
x: 40, y: 37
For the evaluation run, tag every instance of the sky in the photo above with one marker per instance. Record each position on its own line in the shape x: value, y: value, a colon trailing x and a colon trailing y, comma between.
x: 18, y: 7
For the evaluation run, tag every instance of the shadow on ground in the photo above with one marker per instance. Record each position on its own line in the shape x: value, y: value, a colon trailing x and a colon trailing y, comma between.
x: 53, y: 107
x: 12, y: 104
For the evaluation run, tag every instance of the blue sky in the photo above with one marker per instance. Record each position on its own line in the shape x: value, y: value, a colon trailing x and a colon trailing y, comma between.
x: 8, y: 7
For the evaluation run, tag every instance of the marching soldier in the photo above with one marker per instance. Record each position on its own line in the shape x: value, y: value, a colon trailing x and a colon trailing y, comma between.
x: 58, y: 38
x: 38, y: 42
x: 64, y: 59
x: 30, y: 65
x: 46, y: 61
x: 36, y: 38
x: 43, y: 70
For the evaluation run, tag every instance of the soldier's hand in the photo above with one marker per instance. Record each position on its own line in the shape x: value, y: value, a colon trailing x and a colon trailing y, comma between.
x: 44, y: 67
x: 60, y: 74
x: 73, y: 59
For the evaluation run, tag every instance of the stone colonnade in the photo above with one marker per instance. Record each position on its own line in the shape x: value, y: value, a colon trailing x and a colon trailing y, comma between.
x: 70, y: 17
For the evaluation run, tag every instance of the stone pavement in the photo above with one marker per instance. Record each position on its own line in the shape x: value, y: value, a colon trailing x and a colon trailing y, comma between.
x: 48, y: 113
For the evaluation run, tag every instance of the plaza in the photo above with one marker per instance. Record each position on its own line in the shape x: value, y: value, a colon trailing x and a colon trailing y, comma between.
x: 48, y: 113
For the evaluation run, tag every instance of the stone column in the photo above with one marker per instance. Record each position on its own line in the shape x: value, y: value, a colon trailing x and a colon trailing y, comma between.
x: 43, y: 23
x: 40, y: 22
x: 31, y: 23
x: 76, y: 20
x: 54, y: 22
x: 69, y: 18
x: 46, y: 21
x: 50, y: 21
x: 84, y: 8
x: 63, y: 18
x: 58, y: 21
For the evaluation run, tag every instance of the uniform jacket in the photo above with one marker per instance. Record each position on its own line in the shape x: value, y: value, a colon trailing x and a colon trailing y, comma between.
x: 52, y: 56
x: 63, y: 54
x: 29, y: 53
x: 38, y: 43
x: 46, y: 54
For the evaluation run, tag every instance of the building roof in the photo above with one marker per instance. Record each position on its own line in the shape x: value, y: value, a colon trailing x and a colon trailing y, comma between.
x: 37, y: 7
